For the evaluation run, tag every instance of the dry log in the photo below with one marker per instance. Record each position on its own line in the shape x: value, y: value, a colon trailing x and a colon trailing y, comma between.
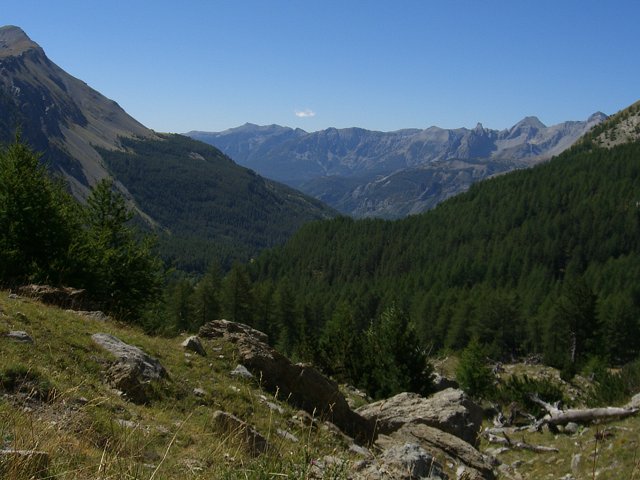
x: 555, y: 416
x: 518, y: 445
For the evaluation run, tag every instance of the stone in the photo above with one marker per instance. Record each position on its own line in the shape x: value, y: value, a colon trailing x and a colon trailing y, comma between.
x: 450, y: 410
x: 299, y: 384
x: 571, y: 428
x: 194, y: 344
x: 238, y: 429
x: 133, y: 371
x: 287, y: 435
x: 406, y: 461
x: 199, y: 392
x: 445, y: 446
x: 63, y: 297
x: 241, y: 372
x: 231, y: 331
x: 92, y: 314
x: 20, y: 336
x: 29, y: 463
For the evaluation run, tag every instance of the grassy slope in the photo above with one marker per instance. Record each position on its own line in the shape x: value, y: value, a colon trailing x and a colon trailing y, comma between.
x: 81, y: 424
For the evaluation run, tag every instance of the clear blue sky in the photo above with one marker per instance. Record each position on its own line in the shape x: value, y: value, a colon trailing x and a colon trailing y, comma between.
x: 383, y: 65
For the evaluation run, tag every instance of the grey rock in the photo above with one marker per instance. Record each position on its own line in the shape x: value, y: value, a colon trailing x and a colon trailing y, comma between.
x: 231, y: 331
x: 450, y: 410
x: 241, y: 372
x: 92, y: 314
x: 300, y: 384
x: 287, y: 435
x: 20, y: 336
x: 199, y: 392
x: 13, y: 296
x: 571, y: 428
x: 150, y: 368
x: 444, y: 447
x: 63, y: 297
x: 241, y: 431
x: 194, y: 344
x: 133, y: 369
x: 406, y: 461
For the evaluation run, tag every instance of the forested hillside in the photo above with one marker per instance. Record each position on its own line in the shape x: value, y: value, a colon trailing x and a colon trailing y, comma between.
x: 209, y: 209
x: 541, y: 260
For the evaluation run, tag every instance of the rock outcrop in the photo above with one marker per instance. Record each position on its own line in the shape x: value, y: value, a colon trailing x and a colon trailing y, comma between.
x: 63, y: 297
x: 300, y: 384
x: 133, y: 370
x: 450, y: 410
x: 406, y: 461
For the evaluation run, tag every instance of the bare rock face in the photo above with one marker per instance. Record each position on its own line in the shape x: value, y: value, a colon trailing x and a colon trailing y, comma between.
x: 133, y: 371
x: 252, y: 440
x: 450, y: 410
x: 300, y: 384
x: 634, y: 402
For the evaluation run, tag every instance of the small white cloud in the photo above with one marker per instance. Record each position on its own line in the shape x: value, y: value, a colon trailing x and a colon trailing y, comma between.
x: 305, y: 113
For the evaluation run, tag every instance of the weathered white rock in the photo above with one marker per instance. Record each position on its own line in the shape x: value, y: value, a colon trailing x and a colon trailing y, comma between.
x: 450, y: 410
x: 241, y: 372
x: 194, y: 344
x: 20, y: 336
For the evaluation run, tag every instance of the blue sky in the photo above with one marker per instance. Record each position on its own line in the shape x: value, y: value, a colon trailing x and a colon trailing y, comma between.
x: 382, y: 65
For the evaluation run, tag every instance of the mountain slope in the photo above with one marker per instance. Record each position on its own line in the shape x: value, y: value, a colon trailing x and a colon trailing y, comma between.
x: 217, y: 210
x: 493, y: 262
x: 375, y: 162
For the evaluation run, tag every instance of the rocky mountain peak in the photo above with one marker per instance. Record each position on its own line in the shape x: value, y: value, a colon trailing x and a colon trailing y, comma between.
x: 531, y: 121
x: 597, y: 117
x: 13, y: 41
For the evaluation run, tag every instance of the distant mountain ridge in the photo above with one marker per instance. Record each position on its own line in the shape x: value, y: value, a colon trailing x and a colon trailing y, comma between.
x: 392, y: 174
x: 203, y: 205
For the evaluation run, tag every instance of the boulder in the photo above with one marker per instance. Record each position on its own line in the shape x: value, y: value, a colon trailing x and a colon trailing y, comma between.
x: 194, y: 344
x: 20, y: 336
x: 240, y: 430
x: 450, y: 410
x: 133, y: 369
x: 446, y: 448
x: 231, y: 331
x: 300, y: 384
x: 63, y: 297
x: 241, y: 372
x: 400, y: 462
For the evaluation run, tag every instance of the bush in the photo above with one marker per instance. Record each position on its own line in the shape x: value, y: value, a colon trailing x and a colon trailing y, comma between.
x: 473, y: 373
x: 520, y: 390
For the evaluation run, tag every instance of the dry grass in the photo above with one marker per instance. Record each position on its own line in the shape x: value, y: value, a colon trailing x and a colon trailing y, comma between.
x: 90, y: 431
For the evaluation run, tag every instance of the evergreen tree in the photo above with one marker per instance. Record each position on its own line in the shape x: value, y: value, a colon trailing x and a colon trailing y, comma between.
x: 473, y: 373
x: 236, y: 297
x: 125, y: 275
x: 206, y: 302
x: 37, y: 220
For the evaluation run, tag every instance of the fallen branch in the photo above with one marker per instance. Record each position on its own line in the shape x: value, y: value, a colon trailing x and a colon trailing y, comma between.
x: 556, y: 417
x: 518, y: 445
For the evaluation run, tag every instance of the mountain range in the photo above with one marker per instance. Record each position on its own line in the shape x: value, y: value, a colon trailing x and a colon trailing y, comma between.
x: 367, y: 173
x: 201, y: 204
